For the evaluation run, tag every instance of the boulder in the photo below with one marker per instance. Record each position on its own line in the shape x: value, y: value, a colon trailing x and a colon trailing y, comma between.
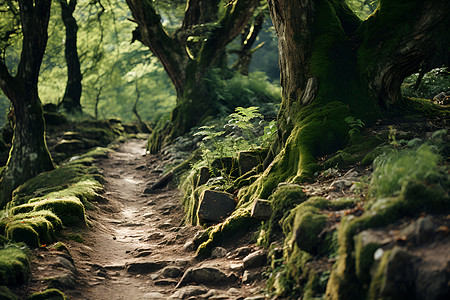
x: 261, y: 209
x: 215, y: 206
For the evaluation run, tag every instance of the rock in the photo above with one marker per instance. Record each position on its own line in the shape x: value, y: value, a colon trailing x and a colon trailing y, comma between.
x: 165, y: 282
x: 145, y: 267
x: 255, y: 259
x: 69, y: 146
x: 189, y: 291
x: 172, y: 272
x: 248, y: 160
x: 424, y: 229
x: 219, y: 252
x: 66, y: 264
x: 203, y: 275
x: 200, y: 237
x: 341, y: 184
x: 233, y: 291
x: 154, y: 296
x: 189, y: 246
x: 261, y: 209
x: 243, y: 251
x: 148, y: 215
x: 203, y: 176
x: 249, y: 276
x: 143, y: 254
x: 432, y: 280
x: 399, y: 275
x: 215, y: 206
x: 67, y: 280
x: 155, y: 236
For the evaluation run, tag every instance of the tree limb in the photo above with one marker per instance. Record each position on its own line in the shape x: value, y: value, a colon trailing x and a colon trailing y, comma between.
x: 152, y: 34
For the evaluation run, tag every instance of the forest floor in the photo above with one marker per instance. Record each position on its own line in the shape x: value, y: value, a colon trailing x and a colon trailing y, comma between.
x: 135, y: 246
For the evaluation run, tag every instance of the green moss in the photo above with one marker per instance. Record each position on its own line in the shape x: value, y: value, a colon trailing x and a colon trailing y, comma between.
x: 72, y: 180
x: 34, y: 228
x: 50, y: 294
x: 234, y: 226
x: 364, y: 257
x: 6, y: 294
x: 355, y: 152
x: 59, y: 246
x: 285, y: 198
x: 307, y: 227
x: 379, y: 277
x: 76, y: 237
x: 14, y: 265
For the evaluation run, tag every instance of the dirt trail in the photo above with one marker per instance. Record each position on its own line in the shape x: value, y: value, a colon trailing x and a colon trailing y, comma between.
x: 134, y: 235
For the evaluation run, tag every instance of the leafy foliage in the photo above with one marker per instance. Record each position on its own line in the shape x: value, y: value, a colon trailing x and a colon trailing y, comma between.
x: 434, y: 82
x: 395, y: 168
x: 240, y: 134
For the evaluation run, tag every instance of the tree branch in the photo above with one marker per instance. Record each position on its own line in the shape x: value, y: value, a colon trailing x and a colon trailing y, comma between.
x: 151, y: 33
x: 200, y: 12
x: 6, y: 81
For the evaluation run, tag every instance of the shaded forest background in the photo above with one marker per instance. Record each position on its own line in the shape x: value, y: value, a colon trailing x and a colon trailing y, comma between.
x: 114, y: 69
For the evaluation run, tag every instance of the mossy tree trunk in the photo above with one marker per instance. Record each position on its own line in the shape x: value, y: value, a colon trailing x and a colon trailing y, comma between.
x: 189, y: 54
x: 29, y: 155
x: 333, y: 65
x: 72, y: 95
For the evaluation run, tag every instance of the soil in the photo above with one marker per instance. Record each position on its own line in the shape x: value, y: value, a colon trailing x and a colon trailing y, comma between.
x: 128, y: 226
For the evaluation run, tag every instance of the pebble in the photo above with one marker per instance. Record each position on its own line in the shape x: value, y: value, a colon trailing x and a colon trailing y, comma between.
x: 172, y: 272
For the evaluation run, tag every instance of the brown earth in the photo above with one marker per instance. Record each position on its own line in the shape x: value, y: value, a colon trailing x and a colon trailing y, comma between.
x: 132, y: 237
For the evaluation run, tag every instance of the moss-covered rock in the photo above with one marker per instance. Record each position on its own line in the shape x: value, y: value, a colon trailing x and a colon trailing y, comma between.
x: 34, y: 228
x: 70, y: 180
x: 49, y: 294
x: 14, y: 265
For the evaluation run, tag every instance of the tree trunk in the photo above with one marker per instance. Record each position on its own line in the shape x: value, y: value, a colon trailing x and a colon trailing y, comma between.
x: 29, y: 155
x: 189, y: 55
x: 72, y: 95
x: 333, y: 66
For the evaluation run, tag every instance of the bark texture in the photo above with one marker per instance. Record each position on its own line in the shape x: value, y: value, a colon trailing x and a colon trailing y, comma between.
x: 72, y: 95
x: 189, y: 54
x: 29, y: 155
x: 333, y: 65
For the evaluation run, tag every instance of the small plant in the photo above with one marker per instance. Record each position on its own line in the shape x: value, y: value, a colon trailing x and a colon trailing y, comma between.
x: 355, y: 126
x: 242, y: 135
x: 395, y: 169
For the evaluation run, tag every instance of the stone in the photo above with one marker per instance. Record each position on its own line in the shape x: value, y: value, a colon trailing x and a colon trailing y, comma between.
x: 341, y: 184
x: 261, y: 210
x: 219, y: 252
x: 203, y: 275
x: 203, y: 176
x: 248, y: 160
x: 145, y: 267
x: 424, y: 229
x: 155, y: 236
x: 255, y: 259
x: 200, y: 237
x: 215, y: 206
x: 67, y: 280
x: 189, y: 246
x: 172, y: 272
x: 399, y: 275
x: 69, y: 146
x: 249, y: 276
x: 154, y: 296
x: 165, y: 282
x: 66, y: 264
x: 189, y: 291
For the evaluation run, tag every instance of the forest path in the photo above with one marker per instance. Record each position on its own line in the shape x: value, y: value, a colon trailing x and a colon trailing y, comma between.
x: 135, y: 235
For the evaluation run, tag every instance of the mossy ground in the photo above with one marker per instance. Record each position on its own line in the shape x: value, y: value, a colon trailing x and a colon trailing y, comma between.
x: 14, y: 265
